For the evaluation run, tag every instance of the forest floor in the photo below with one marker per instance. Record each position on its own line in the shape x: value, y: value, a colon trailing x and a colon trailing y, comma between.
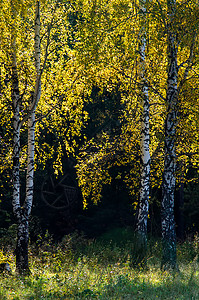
x: 78, y: 268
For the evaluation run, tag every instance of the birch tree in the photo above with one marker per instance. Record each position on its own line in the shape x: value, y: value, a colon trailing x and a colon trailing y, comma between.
x: 174, y: 87
x: 22, y: 213
x: 143, y: 205
x: 168, y: 184
x: 56, y: 70
x: 15, y: 95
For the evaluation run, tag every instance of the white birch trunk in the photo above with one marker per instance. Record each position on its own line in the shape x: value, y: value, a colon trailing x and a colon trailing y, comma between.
x: 31, y: 119
x: 23, y: 214
x: 169, y: 180
x: 16, y: 130
x: 22, y: 233
x: 143, y: 206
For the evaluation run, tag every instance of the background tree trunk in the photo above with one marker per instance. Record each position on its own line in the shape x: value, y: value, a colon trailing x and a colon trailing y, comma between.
x: 169, y: 180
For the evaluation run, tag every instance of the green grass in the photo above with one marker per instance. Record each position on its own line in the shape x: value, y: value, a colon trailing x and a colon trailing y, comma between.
x: 82, y: 269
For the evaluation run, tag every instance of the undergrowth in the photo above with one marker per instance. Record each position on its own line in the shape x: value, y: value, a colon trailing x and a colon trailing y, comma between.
x: 78, y: 268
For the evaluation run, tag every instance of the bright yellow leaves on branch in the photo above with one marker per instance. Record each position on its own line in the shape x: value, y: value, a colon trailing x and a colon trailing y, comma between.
x: 108, y: 40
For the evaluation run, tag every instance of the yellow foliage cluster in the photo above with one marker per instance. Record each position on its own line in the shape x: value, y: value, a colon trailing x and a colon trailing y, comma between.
x: 95, y: 44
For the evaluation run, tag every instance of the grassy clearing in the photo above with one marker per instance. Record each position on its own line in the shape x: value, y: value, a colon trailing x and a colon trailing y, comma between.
x: 81, y: 269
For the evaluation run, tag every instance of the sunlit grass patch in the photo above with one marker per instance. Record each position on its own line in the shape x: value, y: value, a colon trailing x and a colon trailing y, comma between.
x: 95, y: 270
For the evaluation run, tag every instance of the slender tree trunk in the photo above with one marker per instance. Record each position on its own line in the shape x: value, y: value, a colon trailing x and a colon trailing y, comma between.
x: 22, y: 233
x: 16, y: 131
x: 23, y: 213
x: 31, y: 120
x: 141, y: 226
x: 21, y: 252
x: 169, y: 180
